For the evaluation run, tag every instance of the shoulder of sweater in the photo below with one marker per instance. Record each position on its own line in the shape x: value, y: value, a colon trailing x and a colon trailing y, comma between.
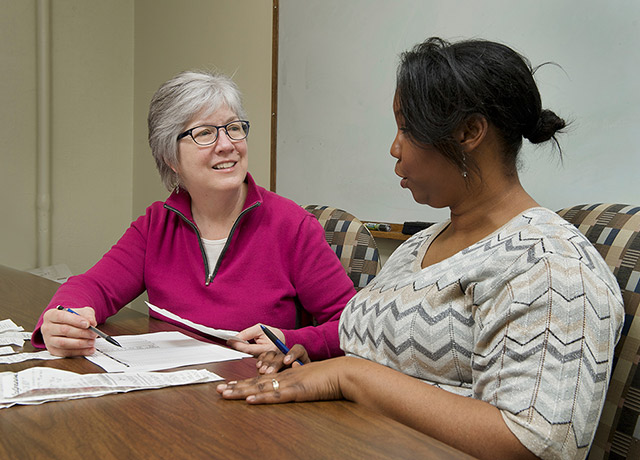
x: 287, y: 208
x: 152, y: 210
x: 562, y: 242
x: 551, y: 228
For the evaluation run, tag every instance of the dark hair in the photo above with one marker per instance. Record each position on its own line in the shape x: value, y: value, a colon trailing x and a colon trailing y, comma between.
x: 441, y: 85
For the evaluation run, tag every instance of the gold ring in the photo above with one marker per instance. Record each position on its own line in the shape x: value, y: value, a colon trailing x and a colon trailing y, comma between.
x: 276, y: 384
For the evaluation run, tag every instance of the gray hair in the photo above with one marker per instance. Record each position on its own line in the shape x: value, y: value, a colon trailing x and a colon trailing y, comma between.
x: 175, y: 103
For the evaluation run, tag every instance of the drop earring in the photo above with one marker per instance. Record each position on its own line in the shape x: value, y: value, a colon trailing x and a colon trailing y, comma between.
x: 464, y: 166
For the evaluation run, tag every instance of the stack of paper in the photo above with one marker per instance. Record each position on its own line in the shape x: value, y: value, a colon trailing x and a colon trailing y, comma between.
x: 12, y: 334
x: 59, y: 273
x: 138, y: 355
x: 42, y: 384
x: 157, y: 351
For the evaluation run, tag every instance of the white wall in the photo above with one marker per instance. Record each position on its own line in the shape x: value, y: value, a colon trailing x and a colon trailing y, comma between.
x: 337, y: 75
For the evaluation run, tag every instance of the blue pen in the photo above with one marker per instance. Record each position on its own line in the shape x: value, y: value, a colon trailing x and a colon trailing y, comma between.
x: 107, y: 337
x: 276, y: 341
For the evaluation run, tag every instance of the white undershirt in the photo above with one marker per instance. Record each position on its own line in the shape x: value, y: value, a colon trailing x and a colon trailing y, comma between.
x: 213, y: 248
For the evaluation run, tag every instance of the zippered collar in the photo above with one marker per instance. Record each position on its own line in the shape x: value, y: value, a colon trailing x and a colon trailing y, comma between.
x: 180, y: 204
x: 181, y: 201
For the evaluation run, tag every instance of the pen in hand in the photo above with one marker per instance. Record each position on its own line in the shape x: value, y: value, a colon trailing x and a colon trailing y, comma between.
x: 276, y: 341
x: 107, y: 337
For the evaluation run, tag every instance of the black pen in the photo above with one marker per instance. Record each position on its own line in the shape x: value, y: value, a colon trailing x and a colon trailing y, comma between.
x: 276, y: 341
x: 107, y: 337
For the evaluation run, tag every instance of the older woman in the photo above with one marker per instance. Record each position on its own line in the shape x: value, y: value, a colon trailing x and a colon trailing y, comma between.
x: 493, y: 331
x: 220, y: 251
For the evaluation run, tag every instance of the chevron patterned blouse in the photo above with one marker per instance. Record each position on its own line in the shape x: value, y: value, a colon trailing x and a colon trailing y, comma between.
x: 526, y: 320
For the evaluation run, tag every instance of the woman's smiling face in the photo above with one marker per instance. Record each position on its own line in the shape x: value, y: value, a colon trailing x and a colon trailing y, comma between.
x: 221, y: 166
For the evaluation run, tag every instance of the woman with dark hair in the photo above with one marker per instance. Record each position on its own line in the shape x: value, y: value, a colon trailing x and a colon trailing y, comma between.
x: 221, y: 251
x: 493, y: 331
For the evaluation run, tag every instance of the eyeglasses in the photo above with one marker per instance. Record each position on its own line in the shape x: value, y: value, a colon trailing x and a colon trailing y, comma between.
x: 208, y: 134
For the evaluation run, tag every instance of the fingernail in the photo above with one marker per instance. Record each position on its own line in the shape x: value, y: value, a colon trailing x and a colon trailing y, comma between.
x: 259, y: 364
x: 270, y: 370
x: 251, y: 398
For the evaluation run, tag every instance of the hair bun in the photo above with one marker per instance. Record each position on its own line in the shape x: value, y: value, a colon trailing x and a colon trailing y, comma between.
x: 547, y: 126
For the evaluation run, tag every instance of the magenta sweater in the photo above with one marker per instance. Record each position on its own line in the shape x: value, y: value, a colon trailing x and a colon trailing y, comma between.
x: 276, y: 258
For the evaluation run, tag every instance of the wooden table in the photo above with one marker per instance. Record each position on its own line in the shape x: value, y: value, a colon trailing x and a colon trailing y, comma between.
x: 190, y: 422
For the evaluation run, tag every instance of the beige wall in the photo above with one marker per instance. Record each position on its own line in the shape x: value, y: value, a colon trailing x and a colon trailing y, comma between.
x: 91, y: 129
x: 171, y: 36
x: 108, y: 57
x: 17, y: 131
x: 91, y: 151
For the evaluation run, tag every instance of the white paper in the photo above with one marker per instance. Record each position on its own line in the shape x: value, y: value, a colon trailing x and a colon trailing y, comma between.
x: 219, y: 333
x: 7, y: 325
x: 41, y: 384
x: 12, y: 334
x: 58, y: 273
x: 6, y: 351
x: 13, y: 338
x: 157, y: 351
x: 20, y: 357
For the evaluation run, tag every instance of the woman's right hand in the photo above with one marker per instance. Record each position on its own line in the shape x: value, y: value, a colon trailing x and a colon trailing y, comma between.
x: 66, y: 334
x: 270, y: 362
x: 318, y: 381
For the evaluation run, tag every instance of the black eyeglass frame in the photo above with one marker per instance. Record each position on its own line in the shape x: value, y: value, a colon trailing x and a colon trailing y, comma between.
x: 189, y: 132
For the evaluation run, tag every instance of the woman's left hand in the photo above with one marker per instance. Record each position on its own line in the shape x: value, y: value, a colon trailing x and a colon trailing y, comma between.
x: 261, y: 343
x: 312, y: 382
x: 272, y: 361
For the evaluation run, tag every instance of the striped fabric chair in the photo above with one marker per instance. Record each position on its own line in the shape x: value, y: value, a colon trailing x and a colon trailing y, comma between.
x: 614, y: 229
x: 351, y: 241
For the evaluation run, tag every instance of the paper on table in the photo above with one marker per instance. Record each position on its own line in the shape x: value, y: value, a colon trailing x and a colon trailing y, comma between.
x: 37, y: 385
x: 20, y: 357
x: 6, y: 350
x: 14, y: 338
x: 58, y: 273
x: 157, y: 351
x: 8, y: 325
x: 12, y: 334
x: 219, y: 333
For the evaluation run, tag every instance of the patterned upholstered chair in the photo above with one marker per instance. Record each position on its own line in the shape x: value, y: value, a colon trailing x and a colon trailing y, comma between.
x: 351, y: 241
x: 614, y: 229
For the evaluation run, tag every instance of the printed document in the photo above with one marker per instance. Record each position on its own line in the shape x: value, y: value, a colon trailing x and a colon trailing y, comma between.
x: 12, y: 334
x: 37, y: 385
x: 7, y: 325
x: 20, y: 357
x: 157, y: 351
